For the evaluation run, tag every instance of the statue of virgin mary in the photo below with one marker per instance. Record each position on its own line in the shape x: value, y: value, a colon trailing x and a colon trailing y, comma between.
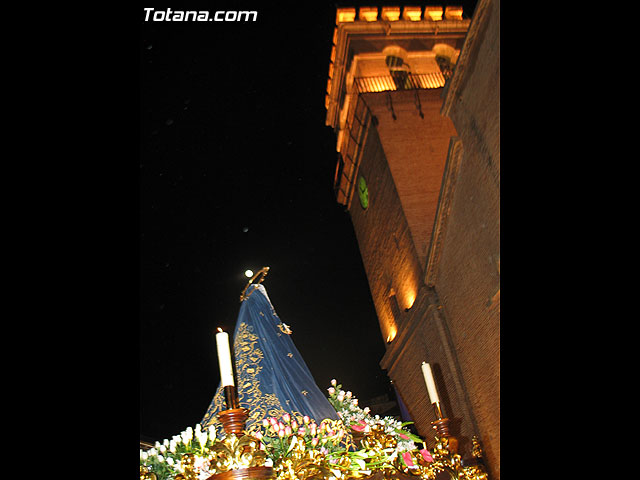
x: 271, y: 376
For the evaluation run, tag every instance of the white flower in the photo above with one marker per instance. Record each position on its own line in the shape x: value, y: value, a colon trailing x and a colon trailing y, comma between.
x: 212, y: 433
x: 172, y: 446
x: 198, y: 462
x: 170, y: 461
x: 160, y: 458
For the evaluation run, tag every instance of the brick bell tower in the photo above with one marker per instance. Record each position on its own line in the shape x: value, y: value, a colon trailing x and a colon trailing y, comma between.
x: 418, y: 172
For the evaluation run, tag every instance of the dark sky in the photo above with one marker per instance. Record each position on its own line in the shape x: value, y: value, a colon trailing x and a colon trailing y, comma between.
x: 236, y: 173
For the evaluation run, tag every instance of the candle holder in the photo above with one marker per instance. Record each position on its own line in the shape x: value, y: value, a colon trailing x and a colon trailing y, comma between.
x: 441, y: 426
x: 438, y: 410
x: 238, y: 456
x: 233, y: 420
x: 231, y: 397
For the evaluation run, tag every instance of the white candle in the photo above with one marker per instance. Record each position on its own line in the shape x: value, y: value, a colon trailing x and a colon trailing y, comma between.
x: 431, y: 385
x: 224, y: 358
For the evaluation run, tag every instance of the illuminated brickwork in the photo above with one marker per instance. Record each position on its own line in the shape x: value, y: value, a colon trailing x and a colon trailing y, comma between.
x: 429, y: 235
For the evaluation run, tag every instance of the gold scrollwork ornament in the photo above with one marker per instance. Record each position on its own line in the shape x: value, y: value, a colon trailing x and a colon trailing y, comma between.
x: 300, y: 463
x: 145, y: 474
x: 235, y: 452
x: 187, y: 462
x: 445, y: 461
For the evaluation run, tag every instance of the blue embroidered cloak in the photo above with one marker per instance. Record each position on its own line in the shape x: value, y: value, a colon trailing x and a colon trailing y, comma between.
x: 271, y: 375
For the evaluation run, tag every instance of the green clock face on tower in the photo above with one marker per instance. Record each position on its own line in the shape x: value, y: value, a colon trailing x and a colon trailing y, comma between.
x: 363, y: 192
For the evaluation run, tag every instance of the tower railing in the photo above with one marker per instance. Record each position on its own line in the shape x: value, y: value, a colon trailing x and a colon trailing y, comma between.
x: 410, y: 81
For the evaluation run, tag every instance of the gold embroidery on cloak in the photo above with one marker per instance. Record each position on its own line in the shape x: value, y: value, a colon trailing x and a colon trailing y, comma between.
x: 249, y: 394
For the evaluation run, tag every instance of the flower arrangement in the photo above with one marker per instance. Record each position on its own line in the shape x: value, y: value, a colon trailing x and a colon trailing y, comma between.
x: 297, y: 448
x: 360, y: 420
x: 169, y: 458
x: 280, y: 435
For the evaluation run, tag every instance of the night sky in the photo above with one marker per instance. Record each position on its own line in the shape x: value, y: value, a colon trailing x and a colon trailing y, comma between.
x: 236, y: 172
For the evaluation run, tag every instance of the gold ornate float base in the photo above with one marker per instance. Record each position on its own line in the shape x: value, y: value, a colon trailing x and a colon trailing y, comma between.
x: 239, y: 457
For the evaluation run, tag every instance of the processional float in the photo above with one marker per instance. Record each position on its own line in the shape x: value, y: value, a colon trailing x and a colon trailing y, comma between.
x: 261, y: 424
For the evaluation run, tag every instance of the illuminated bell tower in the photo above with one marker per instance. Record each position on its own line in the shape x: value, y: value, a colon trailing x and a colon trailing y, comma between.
x: 388, y: 67
x: 386, y: 78
x: 398, y: 160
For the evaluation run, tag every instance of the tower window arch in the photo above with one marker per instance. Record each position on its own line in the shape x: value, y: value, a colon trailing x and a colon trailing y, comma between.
x: 446, y: 57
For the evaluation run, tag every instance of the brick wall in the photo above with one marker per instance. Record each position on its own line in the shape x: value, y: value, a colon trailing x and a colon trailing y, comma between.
x: 392, y: 265
x: 453, y: 323
x: 383, y: 236
x: 415, y: 148
x: 468, y: 274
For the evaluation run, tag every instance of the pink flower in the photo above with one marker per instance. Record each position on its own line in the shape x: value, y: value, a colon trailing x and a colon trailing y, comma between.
x: 314, y: 441
x: 403, y: 436
x: 288, y: 430
x: 426, y: 455
x: 334, y: 382
x: 286, y: 417
x: 294, y: 424
x: 281, y: 433
x: 265, y: 423
x: 302, y: 431
x: 331, y: 390
x: 273, y: 421
x: 406, y: 456
x: 358, y: 428
x: 258, y: 435
x: 306, y: 419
